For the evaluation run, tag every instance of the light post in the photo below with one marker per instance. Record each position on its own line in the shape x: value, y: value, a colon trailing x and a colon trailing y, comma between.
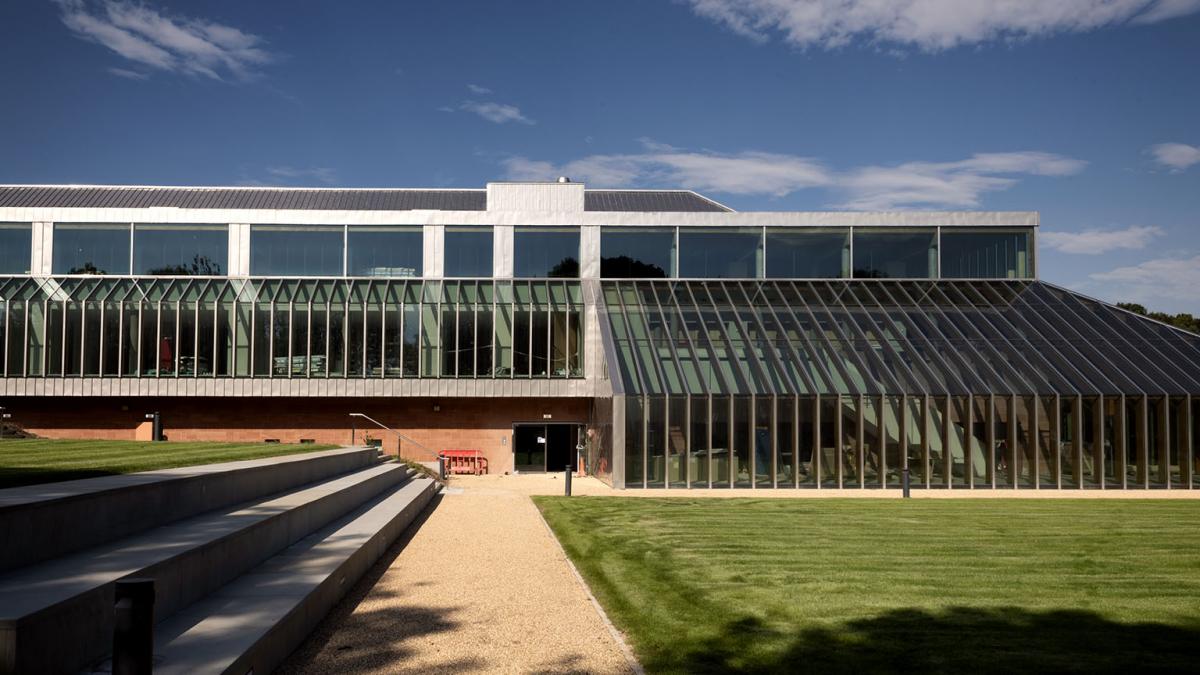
x: 4, y: 415
x: 354, y: 425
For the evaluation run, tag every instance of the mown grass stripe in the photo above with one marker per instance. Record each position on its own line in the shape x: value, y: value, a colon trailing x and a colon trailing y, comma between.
x: 860, y: 586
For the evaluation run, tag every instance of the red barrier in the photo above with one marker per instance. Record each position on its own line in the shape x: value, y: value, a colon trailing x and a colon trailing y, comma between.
x: 465, y: 462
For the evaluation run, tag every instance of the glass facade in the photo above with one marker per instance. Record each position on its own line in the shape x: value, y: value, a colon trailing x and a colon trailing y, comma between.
x: 379, y: 251
x: 296, y: 250
x: 986, y: 255
x: 849, y: 383
x: 180, y: 249
x: 637, y: 253
x: 469, y: 252
x: 190, y: 327
x: 91, y: 249
x: 16, y: 247
x: 808, y: 253
x: 720, y: 253
x: 895, y: 254
x: 542, y: 252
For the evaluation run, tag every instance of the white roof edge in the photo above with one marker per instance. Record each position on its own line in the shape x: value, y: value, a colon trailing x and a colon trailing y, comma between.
x: 230, y: 187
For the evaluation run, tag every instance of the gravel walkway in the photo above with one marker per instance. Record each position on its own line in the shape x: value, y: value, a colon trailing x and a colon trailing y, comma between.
x: 479, y: 586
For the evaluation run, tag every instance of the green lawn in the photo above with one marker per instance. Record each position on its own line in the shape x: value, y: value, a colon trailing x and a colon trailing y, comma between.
x: 852, y: 586
x: 25, y: 462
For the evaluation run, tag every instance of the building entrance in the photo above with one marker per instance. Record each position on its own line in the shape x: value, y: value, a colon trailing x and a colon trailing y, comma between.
x: 544, y: 447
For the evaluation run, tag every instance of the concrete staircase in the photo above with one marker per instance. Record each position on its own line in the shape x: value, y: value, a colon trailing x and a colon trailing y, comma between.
x: 247, y: 557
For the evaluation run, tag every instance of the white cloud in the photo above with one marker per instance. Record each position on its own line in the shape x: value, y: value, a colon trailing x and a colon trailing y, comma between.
x: 1175, y: 156
x: 291, y: 174
x: 742, y: 173
x: 478, y: 90
x: 947, y: 184
x: 1095, y: 242
x: 128, y: 74
x: 910, y: 185
x: 175, y: 44
x: 500, y: 113
x: 1166, y: 284
x: 929, y: 25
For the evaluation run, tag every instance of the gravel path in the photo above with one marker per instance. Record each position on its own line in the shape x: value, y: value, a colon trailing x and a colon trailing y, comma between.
x: 479, y: 586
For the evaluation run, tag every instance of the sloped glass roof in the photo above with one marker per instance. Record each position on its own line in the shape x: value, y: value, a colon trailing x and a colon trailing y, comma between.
x: 886, y: 337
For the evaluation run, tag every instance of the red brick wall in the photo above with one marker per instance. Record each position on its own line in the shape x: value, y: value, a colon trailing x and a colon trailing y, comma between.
x: 460, y: 424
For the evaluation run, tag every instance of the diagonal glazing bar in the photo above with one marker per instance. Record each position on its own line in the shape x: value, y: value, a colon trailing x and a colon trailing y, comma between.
x: 900, y: 311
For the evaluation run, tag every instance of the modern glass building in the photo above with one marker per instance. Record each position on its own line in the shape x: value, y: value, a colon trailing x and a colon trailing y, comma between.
x: 663, y: 338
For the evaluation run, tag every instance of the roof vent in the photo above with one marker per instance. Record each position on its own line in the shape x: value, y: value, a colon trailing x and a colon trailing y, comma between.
x: 564, y: 179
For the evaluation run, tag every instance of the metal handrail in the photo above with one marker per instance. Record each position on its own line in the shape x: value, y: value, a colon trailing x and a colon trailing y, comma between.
x: 383, y: 426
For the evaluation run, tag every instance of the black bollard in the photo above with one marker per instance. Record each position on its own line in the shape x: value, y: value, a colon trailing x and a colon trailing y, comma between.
x: 133, y: 628
x: 567, y: 483
x: 441, y: 467
x: 156, y: 433
x: 906, y: 483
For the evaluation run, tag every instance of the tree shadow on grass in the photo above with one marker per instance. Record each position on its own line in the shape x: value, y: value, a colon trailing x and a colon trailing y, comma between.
x: 1006, y: 640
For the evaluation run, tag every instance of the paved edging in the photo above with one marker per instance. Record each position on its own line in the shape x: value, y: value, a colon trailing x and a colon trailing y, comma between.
x: 616, y: 634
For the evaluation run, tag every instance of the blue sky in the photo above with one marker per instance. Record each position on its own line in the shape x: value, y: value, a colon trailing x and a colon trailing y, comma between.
x: 1085, y: 110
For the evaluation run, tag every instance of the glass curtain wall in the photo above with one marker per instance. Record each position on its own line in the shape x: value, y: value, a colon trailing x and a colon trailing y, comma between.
x: 796, y: 253
x: 175, y: 250
x: 468, y: 251
x: 546, y: 252
x: 384, y: 251
x: 296, y: 250
x: 986, y: 255
x: 287, y: 328
x: 637, y: 253
x: 81, y: 248
x: 846, y: 384
x: 720, y: 253
x: 895, y: 254
x: 16, y: 247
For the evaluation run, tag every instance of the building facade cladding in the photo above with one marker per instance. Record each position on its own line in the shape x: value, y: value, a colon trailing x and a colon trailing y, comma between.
x: 701, y: 347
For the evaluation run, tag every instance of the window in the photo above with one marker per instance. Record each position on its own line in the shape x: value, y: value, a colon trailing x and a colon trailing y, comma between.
x: 16, y: 244
x: 540, y: 252
x: 91, y: 249
x: 468, y: 252
x: 986, y: 255
x: 807, y: 254
x: 637, y: 253
x: 720, y: 253
x: 180, y: 249
x: 895, y: 254
x: 385, y: 251
x: 294, y: 250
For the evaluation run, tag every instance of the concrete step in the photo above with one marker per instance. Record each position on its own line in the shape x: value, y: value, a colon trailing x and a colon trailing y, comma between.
x: 41, y: 522
x: 255, y: 622
x: 58, y: 616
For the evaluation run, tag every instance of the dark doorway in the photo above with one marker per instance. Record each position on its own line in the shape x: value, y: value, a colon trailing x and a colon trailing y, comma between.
x: 529, y: 448
x: 544, y: 447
